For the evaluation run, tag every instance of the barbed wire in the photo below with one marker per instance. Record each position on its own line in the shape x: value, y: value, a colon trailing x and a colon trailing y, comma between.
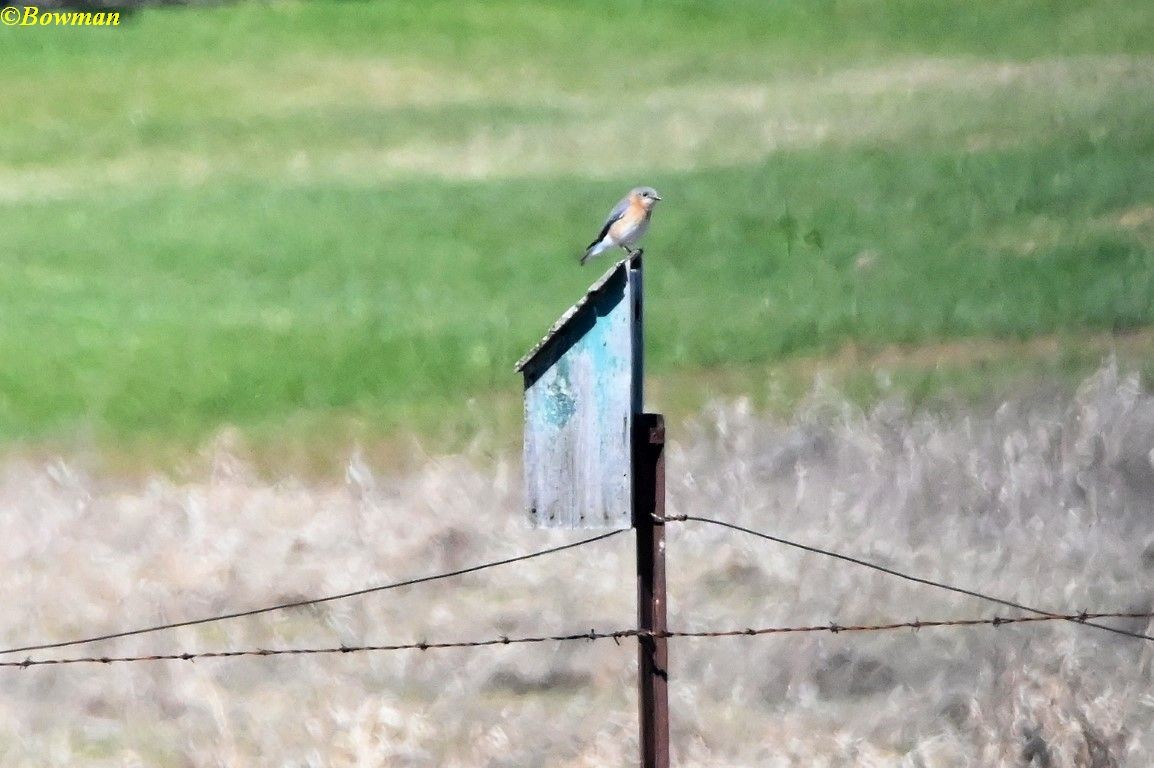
x: 591, y: 635
x: 901, y: 575
x: 1082, y: 618
x: 310, y: 601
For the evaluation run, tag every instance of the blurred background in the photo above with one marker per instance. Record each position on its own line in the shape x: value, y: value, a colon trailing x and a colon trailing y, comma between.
x: 341, y: 221
x: 267, y: 267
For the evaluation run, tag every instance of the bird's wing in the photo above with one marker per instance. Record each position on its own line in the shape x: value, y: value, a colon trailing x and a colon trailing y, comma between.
x: 617, y: 212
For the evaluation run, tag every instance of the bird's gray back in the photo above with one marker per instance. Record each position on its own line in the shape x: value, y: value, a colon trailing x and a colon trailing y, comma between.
x: 616, y: 213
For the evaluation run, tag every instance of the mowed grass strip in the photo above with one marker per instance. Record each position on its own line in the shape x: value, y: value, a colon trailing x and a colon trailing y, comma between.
x: 348, y: 213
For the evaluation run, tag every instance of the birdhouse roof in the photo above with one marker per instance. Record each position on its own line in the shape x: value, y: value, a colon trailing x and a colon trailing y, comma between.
x: 571, y: 314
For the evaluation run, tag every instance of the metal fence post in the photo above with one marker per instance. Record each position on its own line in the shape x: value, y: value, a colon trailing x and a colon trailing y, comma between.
x: 653, y: 652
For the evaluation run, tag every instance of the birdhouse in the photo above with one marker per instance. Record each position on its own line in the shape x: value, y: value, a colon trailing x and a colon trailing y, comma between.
x: 583, y: 391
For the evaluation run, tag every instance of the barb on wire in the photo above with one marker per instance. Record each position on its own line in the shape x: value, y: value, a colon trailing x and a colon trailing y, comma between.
x: 310, y: 601
x: 591, y: 635
x: 928, y: 582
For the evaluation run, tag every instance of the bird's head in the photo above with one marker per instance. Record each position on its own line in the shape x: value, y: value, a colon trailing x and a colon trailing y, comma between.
x: 647, y: 197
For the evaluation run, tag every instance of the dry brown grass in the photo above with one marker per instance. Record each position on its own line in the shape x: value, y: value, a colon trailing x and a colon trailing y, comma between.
x: 1045, y: 501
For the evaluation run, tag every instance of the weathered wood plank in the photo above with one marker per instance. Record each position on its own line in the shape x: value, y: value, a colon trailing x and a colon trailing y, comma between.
x: 582, y: 391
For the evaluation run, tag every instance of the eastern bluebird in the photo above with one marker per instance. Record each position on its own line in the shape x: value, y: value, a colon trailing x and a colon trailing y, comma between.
x: 626, y: 224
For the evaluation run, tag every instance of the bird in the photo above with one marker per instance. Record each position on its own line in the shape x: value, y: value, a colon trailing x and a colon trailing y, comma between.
x: 626, y: 224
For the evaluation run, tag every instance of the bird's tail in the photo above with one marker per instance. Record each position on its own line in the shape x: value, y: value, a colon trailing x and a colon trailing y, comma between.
x: 595, y: 247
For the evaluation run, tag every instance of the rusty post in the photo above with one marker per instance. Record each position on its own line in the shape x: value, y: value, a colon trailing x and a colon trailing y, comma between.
x: 653, y: 652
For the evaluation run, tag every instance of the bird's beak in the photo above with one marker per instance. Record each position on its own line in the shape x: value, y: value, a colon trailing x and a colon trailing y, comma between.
x: 657, y: 197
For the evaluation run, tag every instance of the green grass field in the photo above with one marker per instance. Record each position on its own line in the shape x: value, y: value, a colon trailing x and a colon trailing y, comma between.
x: 311, y: 220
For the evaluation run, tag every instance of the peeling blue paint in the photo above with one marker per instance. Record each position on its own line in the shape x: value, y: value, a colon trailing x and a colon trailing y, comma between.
x: 558, y: 403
